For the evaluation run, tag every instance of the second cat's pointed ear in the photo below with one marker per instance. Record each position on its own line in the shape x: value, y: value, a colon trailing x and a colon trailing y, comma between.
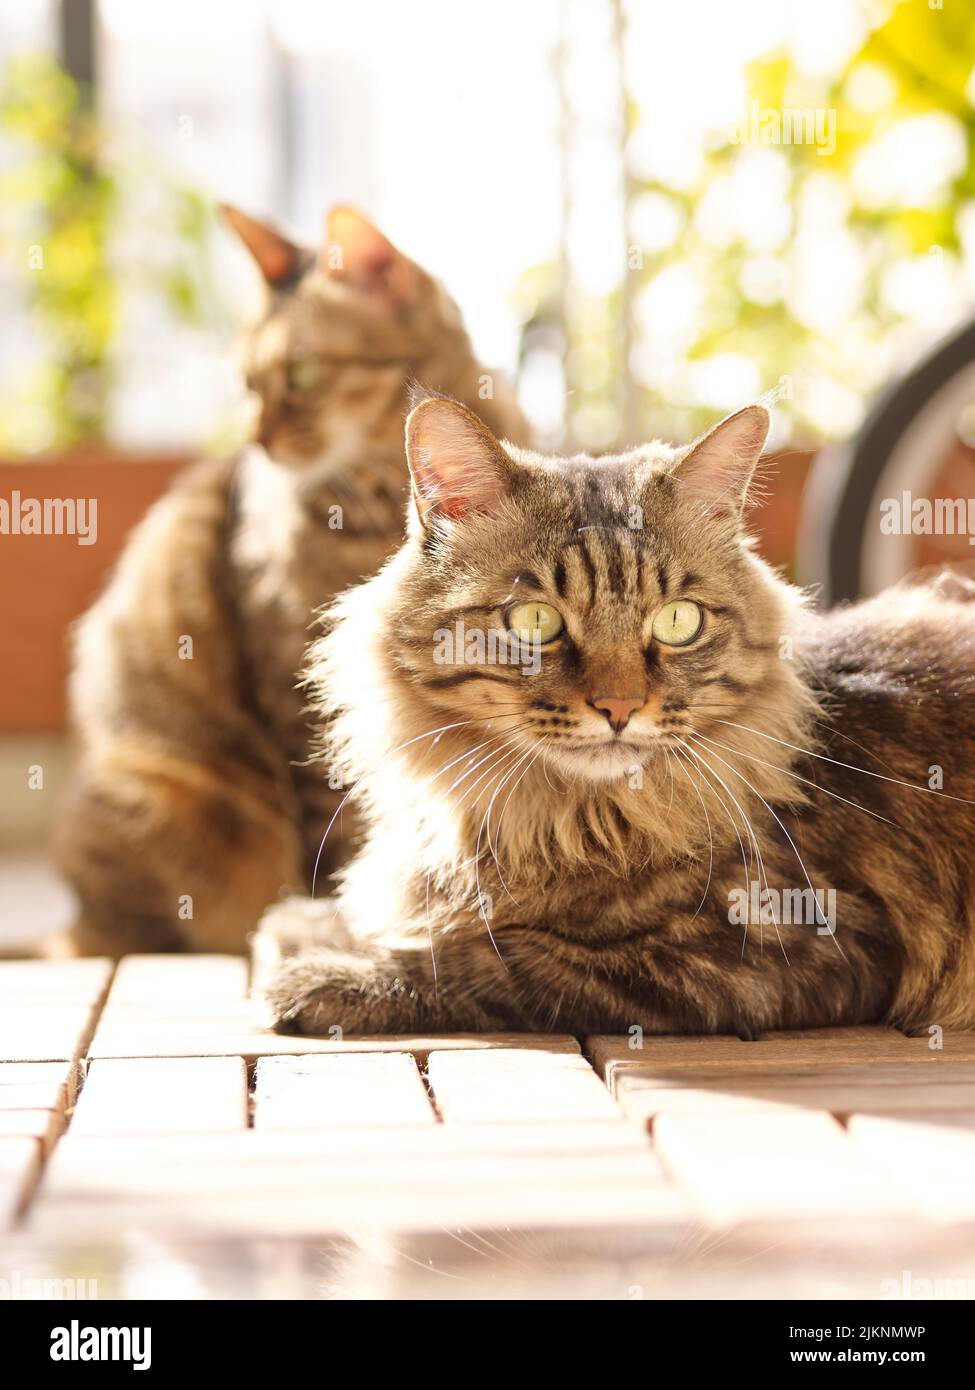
x: 718, y: 468
x: 457, y: 466
x: 357, y: 252
x: 277, y: 258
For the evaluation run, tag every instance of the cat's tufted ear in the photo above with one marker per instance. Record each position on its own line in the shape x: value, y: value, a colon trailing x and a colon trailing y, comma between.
x: 457, y: 466
x: 357, y: 252
x: 718, y: 468
x: 277, y: 258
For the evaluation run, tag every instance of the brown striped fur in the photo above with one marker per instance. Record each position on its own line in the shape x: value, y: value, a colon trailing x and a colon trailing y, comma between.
x: 528, y: 866
x: 194, y: 806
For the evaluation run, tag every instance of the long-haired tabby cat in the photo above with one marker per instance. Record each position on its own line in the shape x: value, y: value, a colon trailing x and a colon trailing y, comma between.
x: 616, y: 773
x: 194, y: 806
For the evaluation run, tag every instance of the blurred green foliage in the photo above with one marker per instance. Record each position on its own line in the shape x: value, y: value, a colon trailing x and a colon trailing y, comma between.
x: 65, y: 193
x: 915, y: 59
x: 754, y: 309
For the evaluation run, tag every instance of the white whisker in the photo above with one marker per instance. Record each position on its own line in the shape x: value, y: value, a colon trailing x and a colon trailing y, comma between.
x: 749, y: 830
x: 826, y: 922
x: 753, y: 758
x: 707, y: 819
x: 897, y: 781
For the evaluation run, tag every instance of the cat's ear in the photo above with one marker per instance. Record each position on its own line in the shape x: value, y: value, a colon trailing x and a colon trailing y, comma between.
x: 457, y: 466
x: 718, y: 468
x: 277, y: 258
x: 357, y: 252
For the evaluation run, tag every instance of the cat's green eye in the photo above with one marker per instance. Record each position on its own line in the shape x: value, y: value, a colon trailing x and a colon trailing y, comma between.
x: 535, y: 622
x: 303, y: 374
x: 678, y: 623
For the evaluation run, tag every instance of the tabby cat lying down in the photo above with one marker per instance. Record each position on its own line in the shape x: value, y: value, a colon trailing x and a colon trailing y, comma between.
x: 194, y: 804
x: 604, y: 830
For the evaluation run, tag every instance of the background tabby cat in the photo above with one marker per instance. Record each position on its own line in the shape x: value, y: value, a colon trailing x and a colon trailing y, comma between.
x: 194, y: 805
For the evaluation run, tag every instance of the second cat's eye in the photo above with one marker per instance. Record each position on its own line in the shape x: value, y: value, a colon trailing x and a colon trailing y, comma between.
x: 678, y: 623
x: 303, y: 374
x: 535, y: 622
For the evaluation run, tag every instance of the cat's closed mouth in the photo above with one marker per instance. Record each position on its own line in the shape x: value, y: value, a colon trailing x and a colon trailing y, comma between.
x: 603, y: 758
x: 615, y: 744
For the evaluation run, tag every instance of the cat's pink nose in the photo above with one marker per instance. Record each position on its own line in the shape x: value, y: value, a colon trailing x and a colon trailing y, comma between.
x: 618, y: 709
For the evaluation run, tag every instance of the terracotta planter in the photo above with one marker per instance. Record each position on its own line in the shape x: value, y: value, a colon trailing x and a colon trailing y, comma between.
x: 46, y: 581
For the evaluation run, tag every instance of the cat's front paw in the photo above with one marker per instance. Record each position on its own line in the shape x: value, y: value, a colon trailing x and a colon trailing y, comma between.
x: 291, y: 928
x: 325, y: 993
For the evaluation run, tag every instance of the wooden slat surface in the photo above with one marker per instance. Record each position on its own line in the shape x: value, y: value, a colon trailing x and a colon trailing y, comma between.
x: 362, y: 1088
x: 31, y: 982
x: 886, y: 1089
x: 691, y: 1135
x: 20, y: 1161
x: 26, y: 1085
x: 45, y: 1032
x: 197, y: 1006
x: 48, y: 1008
x: 34, y: 1097
x: 796, y: 1167
x: 194, y: 1095
x: 955, y: 1045
x: 179, y: 981
x: 645, y: 1097
x: 43, y: 1125
x: 934, y: 1163
x: 229, y: 1031
x: 613, y: 1056
x: 516, y: 1085
x: 852, y: 1033
x: 272, y: 1183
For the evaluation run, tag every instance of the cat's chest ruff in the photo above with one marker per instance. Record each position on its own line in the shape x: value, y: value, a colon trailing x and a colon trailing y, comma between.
x: 597, y: 895
x: 292, y: 524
